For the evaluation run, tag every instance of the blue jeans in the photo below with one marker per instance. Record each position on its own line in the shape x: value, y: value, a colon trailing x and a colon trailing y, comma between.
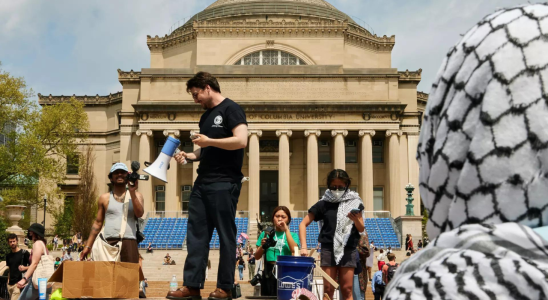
x: 30, y: 293
x: 241, y: 270
x: 357, y: 294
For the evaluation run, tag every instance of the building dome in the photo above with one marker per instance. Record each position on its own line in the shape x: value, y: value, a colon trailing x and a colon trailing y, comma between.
x: 314, y: 2
x: 255, y: 8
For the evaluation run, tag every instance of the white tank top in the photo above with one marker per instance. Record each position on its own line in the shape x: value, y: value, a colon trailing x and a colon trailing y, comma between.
x: 113, y: 219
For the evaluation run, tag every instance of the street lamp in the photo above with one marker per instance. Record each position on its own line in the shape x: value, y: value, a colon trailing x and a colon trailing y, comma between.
x: 409, y: 207
x: 45, y: 204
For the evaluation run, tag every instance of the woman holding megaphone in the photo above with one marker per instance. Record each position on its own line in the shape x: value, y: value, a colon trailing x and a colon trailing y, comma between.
x: 340, y: 213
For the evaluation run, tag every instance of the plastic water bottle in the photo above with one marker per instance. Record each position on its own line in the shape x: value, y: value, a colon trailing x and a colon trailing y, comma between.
x: 173, y: 284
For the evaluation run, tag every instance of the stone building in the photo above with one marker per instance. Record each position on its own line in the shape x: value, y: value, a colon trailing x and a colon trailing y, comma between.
x: 319, y: 91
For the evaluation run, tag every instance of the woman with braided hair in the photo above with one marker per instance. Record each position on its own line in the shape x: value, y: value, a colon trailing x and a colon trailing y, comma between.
x: 483, y: 156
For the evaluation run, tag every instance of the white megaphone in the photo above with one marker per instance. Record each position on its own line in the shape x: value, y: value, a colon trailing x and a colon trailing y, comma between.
x: 159, y: 168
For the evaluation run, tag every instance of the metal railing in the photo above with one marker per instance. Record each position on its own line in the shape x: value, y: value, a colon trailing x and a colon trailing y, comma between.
x: 4, y: 294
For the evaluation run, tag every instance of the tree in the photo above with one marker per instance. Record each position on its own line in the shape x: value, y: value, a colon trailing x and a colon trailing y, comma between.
x: 85, y: 205
x: 35, y: 142
x: 4, y: 247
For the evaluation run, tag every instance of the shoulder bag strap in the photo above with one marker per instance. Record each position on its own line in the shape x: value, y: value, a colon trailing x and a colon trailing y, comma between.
x: 124, y: 217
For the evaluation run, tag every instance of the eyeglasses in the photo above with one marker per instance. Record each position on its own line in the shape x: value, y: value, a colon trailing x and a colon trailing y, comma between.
x: 338, y: 188
x: 195, y: 95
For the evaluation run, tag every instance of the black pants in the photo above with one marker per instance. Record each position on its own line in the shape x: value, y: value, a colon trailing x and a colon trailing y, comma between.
x: 379, y: 291
x: 211, y: 205
x: 269, y: 284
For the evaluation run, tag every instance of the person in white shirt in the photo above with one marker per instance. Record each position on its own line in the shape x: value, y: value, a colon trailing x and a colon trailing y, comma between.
x: 369, y: 260
x: 381, y: 255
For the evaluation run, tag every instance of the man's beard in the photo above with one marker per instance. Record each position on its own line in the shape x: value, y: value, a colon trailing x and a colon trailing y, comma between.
x: 114, y: 183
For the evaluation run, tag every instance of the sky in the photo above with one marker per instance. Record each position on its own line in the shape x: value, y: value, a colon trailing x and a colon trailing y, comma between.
x: 66, y: 47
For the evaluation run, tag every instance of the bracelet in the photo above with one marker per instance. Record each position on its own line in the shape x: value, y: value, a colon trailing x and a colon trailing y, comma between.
x: 26, y: 280
x: 87, y: 247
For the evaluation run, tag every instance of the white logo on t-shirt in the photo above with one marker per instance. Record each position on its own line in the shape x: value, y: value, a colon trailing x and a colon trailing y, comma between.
x: 218, y: 120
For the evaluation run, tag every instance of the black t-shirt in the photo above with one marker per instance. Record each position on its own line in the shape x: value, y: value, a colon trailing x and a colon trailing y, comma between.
x: 13, y: 261
x: 217, y: 164
x: 252, y: 260
x: 327, y: 212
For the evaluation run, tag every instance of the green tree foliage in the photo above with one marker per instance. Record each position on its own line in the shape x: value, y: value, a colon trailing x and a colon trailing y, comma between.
x: 4, y: 246
x: 36, y: 142
x: 63, y: 218
x: 85, y: 206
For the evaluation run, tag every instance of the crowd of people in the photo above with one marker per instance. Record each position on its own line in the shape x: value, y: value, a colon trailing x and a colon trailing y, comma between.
x: 483, y: 176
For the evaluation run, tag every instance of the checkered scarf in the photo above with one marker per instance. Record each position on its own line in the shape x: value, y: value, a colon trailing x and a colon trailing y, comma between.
x: 347, y: 202
x: 483, y: 156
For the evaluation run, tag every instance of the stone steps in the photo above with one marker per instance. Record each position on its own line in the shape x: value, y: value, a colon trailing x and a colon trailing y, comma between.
x: 161, y: 288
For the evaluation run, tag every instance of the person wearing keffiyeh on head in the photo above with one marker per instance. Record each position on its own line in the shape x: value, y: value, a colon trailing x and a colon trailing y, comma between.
x: 340, y: 231
x: 483, y: 156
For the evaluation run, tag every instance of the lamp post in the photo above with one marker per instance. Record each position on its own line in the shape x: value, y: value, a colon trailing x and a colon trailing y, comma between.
x: 409, y: 207
x: 45, y: 204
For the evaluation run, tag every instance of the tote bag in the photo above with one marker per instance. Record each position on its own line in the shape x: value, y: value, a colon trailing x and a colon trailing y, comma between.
x: 44, y: 269
x: 102, y: 250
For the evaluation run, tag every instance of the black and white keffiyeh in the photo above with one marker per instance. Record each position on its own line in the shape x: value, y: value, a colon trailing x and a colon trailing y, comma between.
x: 483, y: 156
x: 504, y: 261
x: 347, y: 202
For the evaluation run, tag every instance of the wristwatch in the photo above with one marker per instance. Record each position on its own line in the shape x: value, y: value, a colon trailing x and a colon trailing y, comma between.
x: 87, y: 247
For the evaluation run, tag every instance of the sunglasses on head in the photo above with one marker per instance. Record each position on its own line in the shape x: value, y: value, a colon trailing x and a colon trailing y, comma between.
x: 338, y: 188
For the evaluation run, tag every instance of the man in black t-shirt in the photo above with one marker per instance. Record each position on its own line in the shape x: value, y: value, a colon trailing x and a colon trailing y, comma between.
x: 222, y: 139
x: 17, y: 261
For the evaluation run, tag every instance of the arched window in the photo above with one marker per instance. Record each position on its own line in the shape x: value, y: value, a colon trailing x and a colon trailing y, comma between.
x: 270, y: 57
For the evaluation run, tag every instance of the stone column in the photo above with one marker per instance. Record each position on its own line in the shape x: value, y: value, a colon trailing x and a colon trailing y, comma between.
x: 365, y: 184
x: 412, y: 145
x: 145, y: 187
x: 339, y: 155
x: 125, y: 147
x: 283, y: 167
x: 394, y: 172
x: 254, y: 195
x: 172, y: 184
x: 312, y: 187
x: 404, y: 172
x: 195, y: 164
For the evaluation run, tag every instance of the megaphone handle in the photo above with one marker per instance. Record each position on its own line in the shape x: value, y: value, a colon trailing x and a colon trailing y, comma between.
x: 177, y: 151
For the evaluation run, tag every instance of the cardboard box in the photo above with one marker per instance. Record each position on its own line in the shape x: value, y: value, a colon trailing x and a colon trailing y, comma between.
x: 98, y: 279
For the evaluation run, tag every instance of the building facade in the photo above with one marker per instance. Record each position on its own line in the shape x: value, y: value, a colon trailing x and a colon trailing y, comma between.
x: 319, y: 91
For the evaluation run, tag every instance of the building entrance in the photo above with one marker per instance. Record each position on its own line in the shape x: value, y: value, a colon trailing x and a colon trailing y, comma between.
x: 269, y: 194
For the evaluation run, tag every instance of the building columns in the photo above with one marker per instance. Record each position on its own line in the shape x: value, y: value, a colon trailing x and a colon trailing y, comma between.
x: 145, y: 187
x: 125, y: 147
x: 394, y: 172
x: 312, y: 187
x: 172, y: 180
x: 404, y: 171
x: 365, y: 184
x: 254, y: 194
x: 412, y: 144
x: 195, y: 164
x: 283, y: 167
x: 339, y: 159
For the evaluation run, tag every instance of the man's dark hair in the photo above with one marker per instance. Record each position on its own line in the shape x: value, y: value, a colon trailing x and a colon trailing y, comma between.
x: 12, y: 236
x: 338, y: 174
x: 201, y: 80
